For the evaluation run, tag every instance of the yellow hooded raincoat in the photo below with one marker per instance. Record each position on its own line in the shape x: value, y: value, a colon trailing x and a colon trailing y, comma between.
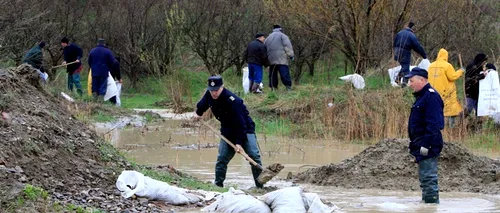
x: 442, y: 77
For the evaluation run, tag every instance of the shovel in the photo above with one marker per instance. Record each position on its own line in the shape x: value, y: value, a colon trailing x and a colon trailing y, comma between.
x: 63, y: 65
x: 267, y: 174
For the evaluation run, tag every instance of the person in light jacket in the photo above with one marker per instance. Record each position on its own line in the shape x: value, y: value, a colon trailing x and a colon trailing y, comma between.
x: 279, y: 51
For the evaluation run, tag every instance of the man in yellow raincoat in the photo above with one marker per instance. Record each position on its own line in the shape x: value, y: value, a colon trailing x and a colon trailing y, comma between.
x: 442, y: 77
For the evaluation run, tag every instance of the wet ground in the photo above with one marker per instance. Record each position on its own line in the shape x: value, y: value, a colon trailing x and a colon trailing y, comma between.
x: 194, y: 151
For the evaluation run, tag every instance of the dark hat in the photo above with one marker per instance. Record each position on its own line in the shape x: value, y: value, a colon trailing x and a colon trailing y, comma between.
x: 65, y: 40
x: 411, y: 24
x: 42, y: 44
x: 259, y: 35
x: 100, y: 41
x: 480, y: 58
x: 417, y: 71
x: 276, y: 26
x: 490, y: 66
x: 214, y: 82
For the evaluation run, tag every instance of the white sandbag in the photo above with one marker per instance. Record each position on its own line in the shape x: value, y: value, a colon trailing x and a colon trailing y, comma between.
x: 315, y: 205
x: 111, y: 89
x: 393, y: 74
x: 119, y: 92
x: 237, y: 201
x: 357, y: 80
x: 67, y: 97
x: 147, y: 187
x: 285, y: 200
x: 245, y: 80
x: 424, y: 64
x: 489, y: 95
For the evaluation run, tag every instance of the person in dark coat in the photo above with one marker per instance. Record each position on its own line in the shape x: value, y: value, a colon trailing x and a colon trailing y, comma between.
x: 256, y: 58
x: 236, y: 126
x: 72, y: 53
x: 34, y: 57
x: 101, y: 61
x: 404, y: 42
x: 472, y: 76
x: 424, y: 129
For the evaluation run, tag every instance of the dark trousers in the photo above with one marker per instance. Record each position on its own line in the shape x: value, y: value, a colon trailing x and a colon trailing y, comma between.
x: 284, y: 72
x: 226, y: 153
x: 99, y: 85
x: 74, y: 79
x: 428, y: 177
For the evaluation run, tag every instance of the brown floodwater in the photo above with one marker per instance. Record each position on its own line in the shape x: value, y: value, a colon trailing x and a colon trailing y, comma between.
x: 194, y: 151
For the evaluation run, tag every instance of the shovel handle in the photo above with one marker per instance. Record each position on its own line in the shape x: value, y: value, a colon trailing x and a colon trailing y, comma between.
x: 460, y: 60
x: 63, y: 65
x: 232, y: 145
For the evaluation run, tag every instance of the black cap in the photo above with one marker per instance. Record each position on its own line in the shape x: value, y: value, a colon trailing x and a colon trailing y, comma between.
x: 417, y: 71
x: 490, y: 66
x: 42, y: 44
x: 276, y: 26
x: 259, y: 35
x: 214, y: 82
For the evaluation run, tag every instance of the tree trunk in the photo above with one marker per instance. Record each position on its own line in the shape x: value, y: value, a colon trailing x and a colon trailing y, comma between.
x: 311, y: 68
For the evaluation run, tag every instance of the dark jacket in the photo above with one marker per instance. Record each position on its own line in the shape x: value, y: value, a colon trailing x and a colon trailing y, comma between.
x: 71, y: 53
x: 425, y: 123
x: 404, y: 42
x: 115, y: 71
x: 472, y: 77
x: 34, y: 57
x: 101, y: 61
x: 232, y: 114
x: 256, y: 53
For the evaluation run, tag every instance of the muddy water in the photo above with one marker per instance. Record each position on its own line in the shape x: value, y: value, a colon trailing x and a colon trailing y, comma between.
x: 186, y: 149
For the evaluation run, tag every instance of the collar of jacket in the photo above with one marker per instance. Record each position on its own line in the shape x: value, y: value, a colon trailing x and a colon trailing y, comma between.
x: 422, y: 91
x: 409, y: 29
x: 277, y: 30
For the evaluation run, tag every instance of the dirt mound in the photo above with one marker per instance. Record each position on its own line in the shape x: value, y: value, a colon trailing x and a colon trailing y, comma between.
x: 41, y: 143
x: 388, y: 165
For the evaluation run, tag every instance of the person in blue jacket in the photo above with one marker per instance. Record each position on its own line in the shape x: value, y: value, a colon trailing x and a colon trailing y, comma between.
x: 236, y: 126
x: 72, y: 53
x: 424, y: 128
x: 404, y: 42
x: 101, y: 61
x: 34, y: 57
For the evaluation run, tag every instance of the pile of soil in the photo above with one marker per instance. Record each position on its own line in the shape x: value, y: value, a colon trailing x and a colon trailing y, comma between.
x: 43, y: 144
x: 388, y: 165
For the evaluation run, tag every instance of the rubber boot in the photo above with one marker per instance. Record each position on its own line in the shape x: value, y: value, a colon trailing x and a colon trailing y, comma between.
x: 431, y: 199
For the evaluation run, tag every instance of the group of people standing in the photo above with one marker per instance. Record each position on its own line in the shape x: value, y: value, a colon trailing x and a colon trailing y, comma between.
x: 435, y: 99
x: 274, y: 52
x: 100, y: 59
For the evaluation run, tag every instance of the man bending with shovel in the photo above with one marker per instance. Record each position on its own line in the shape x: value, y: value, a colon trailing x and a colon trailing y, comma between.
x: 236, y: 126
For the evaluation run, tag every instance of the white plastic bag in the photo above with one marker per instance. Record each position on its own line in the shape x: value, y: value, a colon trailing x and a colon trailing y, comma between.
x: 357, y: 80
x: 315, y: 205
x: 111, y: 89
x: 119, y: 92
x: 285, y: 200
x: 245, y: 80
x: 393, y: 74
x: 143, y: 186
x: 424, y: 64
x: 237, y: 201
x: 489, y: 95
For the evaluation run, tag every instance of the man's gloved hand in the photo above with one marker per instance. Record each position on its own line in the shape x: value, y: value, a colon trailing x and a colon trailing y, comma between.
x: 424, y: 151
x: 239, y: 149
x: 196, y: 117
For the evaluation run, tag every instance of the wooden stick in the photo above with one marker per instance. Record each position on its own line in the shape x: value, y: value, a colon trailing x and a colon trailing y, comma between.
x: 232, y: 145
x: 63, y: 65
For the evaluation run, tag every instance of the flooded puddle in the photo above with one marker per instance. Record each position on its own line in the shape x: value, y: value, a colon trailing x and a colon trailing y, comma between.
x: 194, y: 151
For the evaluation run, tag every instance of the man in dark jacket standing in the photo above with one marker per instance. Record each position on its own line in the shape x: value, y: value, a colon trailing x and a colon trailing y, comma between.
x: 236, y: 126
x: 34, y: 57
x: 424, y: 128
x: 404, y: 42
x: 72, y: 53
x: 101, y: 61
x: 473, y: 73
x: 256, y: 58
